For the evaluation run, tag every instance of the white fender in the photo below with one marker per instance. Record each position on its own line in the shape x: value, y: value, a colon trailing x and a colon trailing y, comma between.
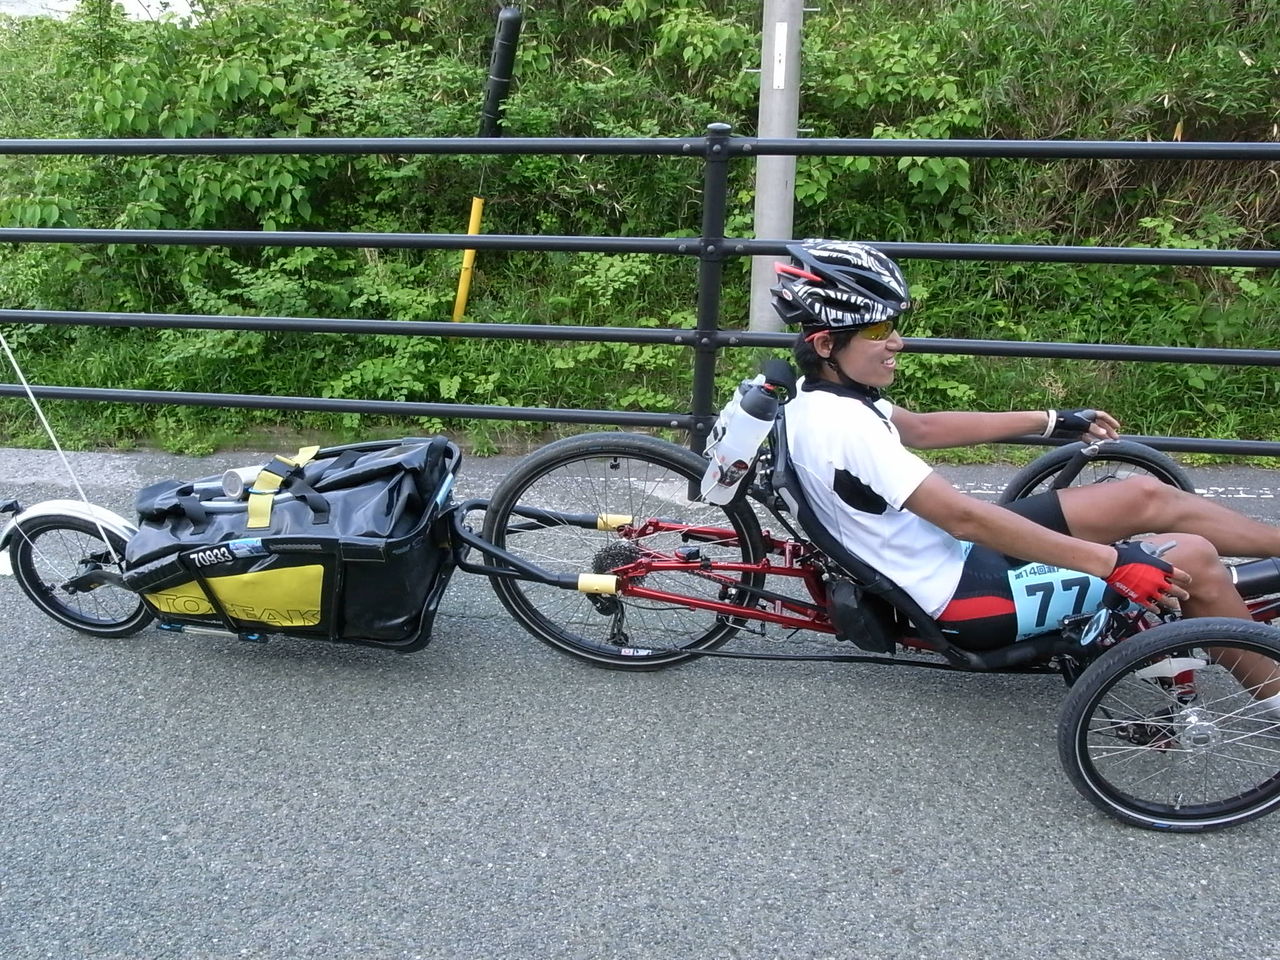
x: 70, y: 508
x: 1168, y: 669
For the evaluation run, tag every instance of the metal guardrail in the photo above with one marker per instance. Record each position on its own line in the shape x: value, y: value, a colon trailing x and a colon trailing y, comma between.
x: 716, y: 150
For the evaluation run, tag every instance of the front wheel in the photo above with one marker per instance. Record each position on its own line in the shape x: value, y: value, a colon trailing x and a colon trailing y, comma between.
x: 1165, y: 730
x: 546, y: 512
x: 49, y: 552
x: 1079, y: 464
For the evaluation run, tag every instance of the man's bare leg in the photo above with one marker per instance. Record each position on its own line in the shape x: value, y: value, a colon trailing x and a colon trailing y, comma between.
x: 1107, y: 512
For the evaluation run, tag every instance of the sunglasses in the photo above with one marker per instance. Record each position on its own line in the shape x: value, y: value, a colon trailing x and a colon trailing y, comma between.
x: 878, y: 331
x: 872, y: 331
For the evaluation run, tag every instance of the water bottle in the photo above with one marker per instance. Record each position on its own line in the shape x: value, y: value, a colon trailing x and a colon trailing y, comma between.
x: 736, y: 438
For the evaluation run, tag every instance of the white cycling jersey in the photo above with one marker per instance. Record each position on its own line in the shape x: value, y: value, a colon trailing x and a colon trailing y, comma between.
x: 857, y: 475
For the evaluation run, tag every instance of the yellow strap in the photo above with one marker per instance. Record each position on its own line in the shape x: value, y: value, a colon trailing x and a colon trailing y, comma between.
x: 263, y: 492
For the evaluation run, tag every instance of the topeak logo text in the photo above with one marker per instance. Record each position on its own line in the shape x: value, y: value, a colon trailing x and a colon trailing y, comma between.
x: 192, y: 606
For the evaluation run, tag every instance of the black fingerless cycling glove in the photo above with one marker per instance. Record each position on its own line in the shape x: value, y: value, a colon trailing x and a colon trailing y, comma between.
x: 1070, y: 423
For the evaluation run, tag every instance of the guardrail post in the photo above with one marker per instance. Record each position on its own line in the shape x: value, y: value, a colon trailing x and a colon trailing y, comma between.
x: 715, y: 197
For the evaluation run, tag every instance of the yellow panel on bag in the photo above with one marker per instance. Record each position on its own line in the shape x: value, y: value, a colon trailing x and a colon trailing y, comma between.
x: 286, y: 597
x: 184, y: 600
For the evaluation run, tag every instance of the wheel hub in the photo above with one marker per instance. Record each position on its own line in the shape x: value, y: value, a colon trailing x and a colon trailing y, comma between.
x: 1199, y: 733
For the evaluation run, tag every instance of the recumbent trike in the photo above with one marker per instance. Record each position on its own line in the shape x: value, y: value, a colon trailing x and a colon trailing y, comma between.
x: 598, y: 545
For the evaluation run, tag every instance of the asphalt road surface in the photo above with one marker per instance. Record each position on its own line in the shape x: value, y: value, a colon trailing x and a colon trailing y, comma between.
x: 181, y: 797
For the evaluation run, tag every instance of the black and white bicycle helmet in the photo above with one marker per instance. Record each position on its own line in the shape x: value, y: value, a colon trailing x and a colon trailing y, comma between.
x: 838, y: 285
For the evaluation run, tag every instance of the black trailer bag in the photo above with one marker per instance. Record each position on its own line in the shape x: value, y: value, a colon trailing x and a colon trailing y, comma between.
x: 349, y: 543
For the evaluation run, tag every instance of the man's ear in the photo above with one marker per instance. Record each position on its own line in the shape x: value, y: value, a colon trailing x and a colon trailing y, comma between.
x: 822, y: 345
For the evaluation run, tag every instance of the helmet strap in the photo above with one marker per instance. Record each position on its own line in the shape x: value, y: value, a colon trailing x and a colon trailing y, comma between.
x: 866, y: 392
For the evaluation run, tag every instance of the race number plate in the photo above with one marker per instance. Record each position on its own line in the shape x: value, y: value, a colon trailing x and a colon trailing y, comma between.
x: 1043, y: 595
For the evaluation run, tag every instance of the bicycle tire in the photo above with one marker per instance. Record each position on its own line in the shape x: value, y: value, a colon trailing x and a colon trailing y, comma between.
x: 1157, y: 752
x: 617, y: 473
x: 1115, y: 460
x: 48, y: 551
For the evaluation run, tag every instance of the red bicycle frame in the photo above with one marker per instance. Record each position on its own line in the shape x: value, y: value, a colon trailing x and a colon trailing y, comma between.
x: 797, y: 562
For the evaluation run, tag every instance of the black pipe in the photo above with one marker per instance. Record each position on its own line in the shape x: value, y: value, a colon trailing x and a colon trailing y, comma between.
x: 1036, y: 253
x: 715, y: 200
x: 501, y: 65
x: 1257, y: 578
x: 687, y: 146
x: 1002, y: 149
x: 673, y: 336
x: 408, y: 146
x: 390, y: 408
x: 731, y: 247
x: 383, y: 241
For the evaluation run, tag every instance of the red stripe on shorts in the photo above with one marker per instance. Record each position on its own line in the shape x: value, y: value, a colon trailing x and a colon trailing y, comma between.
x: 977, y: 608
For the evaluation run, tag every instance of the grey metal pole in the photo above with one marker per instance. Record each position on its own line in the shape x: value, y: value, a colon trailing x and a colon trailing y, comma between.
x: 775, y: 176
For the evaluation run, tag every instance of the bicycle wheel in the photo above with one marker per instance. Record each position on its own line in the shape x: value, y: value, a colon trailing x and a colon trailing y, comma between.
x: 633, y: 476
x: 1159, y: 733
x: 1115, y: 460
x: 47, y: 552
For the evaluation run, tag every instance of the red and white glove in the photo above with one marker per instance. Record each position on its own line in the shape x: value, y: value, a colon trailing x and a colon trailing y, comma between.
x: 1140, y: 575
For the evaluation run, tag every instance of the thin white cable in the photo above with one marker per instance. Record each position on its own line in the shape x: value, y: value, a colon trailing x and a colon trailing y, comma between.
x: 17, y: 369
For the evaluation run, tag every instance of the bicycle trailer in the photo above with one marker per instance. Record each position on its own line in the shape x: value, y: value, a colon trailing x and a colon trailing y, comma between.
x: 347, y: 543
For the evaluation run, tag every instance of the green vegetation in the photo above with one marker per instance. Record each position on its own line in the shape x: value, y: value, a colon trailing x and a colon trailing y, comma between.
x: 1077, y: 69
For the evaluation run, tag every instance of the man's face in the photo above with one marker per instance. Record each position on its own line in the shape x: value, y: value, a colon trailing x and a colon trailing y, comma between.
x: 863, y: 360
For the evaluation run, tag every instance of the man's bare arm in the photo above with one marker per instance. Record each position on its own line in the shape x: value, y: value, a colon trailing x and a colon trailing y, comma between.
x: 931, y: 431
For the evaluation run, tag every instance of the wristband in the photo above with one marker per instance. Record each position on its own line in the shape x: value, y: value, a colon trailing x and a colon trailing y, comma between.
x: 1050, y: 423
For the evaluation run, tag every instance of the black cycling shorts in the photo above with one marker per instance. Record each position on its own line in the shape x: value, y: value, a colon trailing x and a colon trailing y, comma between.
x: 1000, y: 599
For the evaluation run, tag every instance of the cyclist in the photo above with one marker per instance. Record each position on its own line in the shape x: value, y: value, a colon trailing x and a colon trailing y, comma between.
x: 990, y: 575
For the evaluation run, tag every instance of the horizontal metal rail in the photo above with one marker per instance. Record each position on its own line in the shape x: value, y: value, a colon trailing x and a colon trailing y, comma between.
x: 383, y: 241
x: 677, y: 336
x: 644, y: 146
x: 674, y: 336
x: 1036, y: 253
x: 348, y: 146
x: 621, y: 418
x: 1230, y: 356
x: 1008, y: 149
x: 729, y: 247
x: 390, y: 408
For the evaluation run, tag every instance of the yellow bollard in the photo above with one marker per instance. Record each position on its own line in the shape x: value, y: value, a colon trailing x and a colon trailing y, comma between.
x: 468, y: 261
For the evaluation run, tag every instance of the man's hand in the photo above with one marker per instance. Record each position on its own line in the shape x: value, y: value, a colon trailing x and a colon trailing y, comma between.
x: 1141, y: 576
x: 1082, y: 424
